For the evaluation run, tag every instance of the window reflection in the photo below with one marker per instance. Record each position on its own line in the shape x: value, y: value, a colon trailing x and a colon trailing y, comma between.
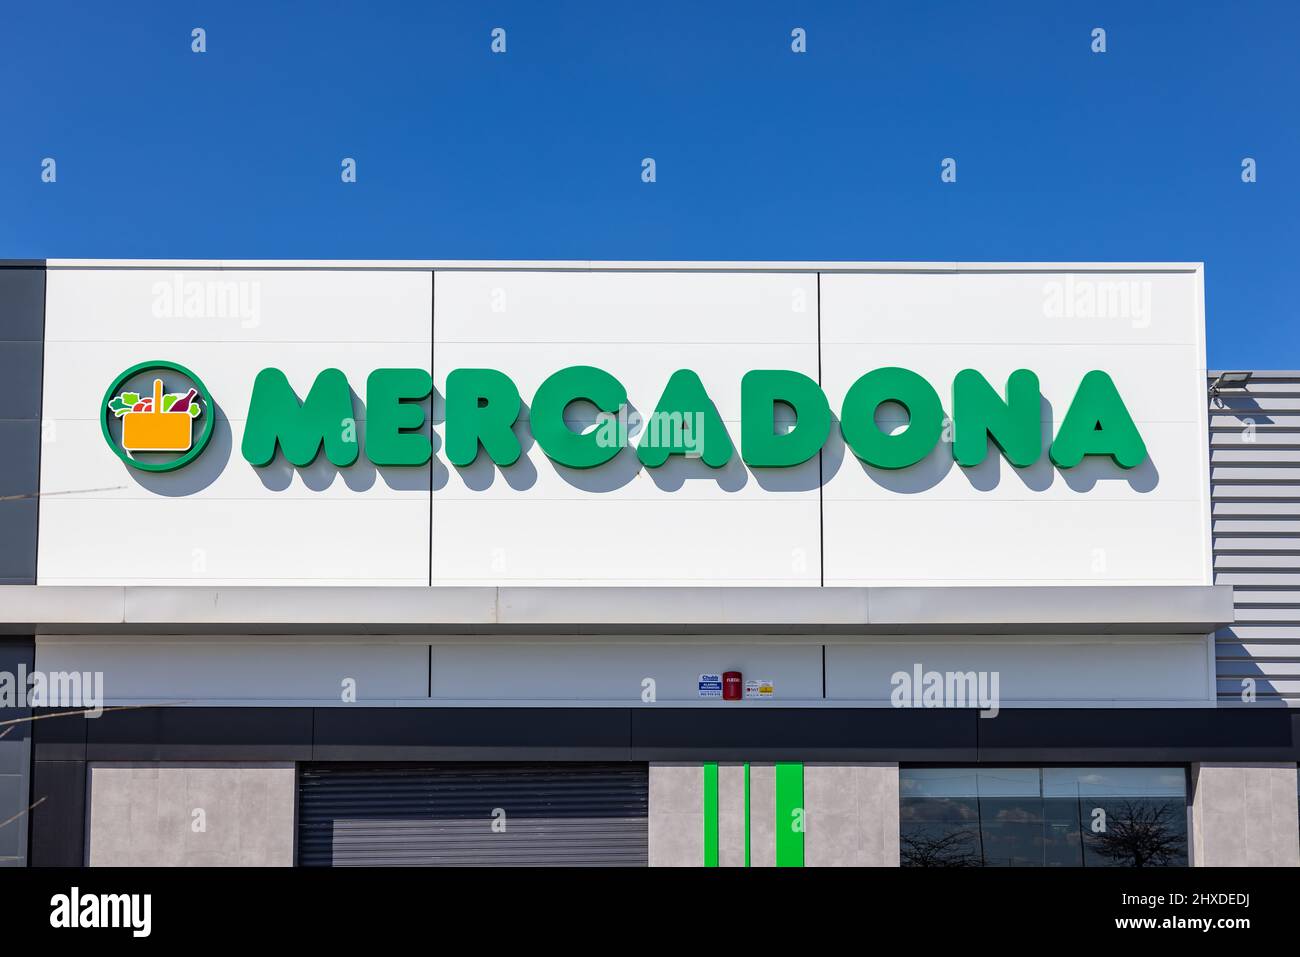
x: 1043, y: 817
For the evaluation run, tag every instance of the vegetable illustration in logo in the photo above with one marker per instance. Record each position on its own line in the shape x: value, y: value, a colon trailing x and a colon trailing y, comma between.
x: 140, y: 415
x: 163, y: 422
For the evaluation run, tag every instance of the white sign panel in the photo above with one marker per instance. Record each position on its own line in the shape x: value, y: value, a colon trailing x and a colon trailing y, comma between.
x: 180, y: 401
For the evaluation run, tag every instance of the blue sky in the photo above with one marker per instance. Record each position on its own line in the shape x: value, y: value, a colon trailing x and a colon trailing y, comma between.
x: 761, y: 153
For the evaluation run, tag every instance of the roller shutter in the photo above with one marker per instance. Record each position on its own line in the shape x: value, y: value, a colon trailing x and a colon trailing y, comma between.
x: 473, y: 814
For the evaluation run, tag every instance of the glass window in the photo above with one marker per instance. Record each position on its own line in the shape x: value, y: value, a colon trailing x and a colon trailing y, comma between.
x: 1043, y: 817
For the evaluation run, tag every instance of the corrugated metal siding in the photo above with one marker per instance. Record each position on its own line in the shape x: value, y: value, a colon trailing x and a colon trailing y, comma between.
x: 1255, y: 485
x: 554, y: 814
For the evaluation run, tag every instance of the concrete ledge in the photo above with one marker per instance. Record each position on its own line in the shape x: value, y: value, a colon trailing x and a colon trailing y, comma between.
x: 1174, y: 608
x: 1102, y: 609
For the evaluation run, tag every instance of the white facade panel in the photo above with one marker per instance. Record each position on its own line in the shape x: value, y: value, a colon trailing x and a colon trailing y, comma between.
x: 1015, y: 304
x: 616, y: 673
x: 930, y: 542
x: 646, y: 671
x: 254, y: 541
x: 625, y: 541
x: 218, y: 520
x: 261, y: 669
x: 1124, y: 671
x: 623, y: 524
x: 937, y: 523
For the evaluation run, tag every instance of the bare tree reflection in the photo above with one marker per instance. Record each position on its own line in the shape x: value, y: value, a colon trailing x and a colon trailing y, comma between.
x: 1142, y: 835
x: 953, y: 849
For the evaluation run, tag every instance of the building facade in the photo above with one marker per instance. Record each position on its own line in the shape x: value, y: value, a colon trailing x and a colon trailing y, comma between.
x: 697, y: 564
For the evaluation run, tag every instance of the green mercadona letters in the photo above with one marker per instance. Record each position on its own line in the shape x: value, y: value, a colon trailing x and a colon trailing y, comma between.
x: 483, y: 406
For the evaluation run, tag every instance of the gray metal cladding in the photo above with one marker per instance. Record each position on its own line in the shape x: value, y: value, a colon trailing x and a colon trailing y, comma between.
x: 474, y: 814
x: 22, y: 345
x: 1255, y: 490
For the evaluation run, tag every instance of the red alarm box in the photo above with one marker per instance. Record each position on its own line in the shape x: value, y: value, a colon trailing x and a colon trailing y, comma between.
x: 733, y: 686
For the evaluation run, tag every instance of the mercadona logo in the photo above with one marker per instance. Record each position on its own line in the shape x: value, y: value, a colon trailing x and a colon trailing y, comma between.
x: 157, y: 416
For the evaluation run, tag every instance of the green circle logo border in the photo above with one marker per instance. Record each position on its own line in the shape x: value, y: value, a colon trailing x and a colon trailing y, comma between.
x: 202, y: 443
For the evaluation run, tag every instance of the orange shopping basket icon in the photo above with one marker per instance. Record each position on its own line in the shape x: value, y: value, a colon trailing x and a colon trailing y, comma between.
x: 155, y: 430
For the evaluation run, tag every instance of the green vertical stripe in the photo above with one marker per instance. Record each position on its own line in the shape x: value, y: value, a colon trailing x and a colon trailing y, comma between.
x: 789, y: 814
x: 747, y: 814
x: 711, y: 814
